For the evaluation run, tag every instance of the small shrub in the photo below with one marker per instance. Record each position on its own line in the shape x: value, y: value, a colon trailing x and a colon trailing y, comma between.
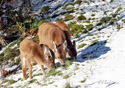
x: 69, y: 4
x: 89, y: 26
x: 82, y: 45
x: 67, y: 85
x: 60, y: 19
x: 98, y: 24
x: 123, y: 20
x: 20, y: 79
x: 119, y: 9
x: 83, y: 80
x: 86, y: 2
x: 94, y: 42
x: 81, y: 41
x: 32, y: 80
x: 112, y: 21
x: 66, y: 76
x: 38, y: 74
x: 90, y: 34
x: 51, y: 82
x: 68, y: 17
x: 114, y: 15
x: 105, y: 19
x: 12, y: 44
x: 87, y: 21
x: 11, y: 82
x: 1, y: 57
x: 118, y: 26
x: 76, y: 68
x: 63, y: 13
x: 111, y: 1
x: 8, y: 50
x: 93, y: 14
x: 67, y: 63
x: 76, y: 29
x: 45, y: 9
x: 53, y: 73
x: 78, y: 2
x: 10, y: 55
x: 70, y: 8
x: 81, y: 17
x: 4, y: 81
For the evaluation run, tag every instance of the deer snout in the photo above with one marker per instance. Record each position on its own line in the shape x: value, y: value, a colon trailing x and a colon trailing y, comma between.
x: 63, y: 65
x: 74, y: 58
x: 62, y: 62
x: 52, y: 67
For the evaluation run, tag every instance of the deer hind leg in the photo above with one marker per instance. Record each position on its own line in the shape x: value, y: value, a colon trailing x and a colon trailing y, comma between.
x: 24, y: 68
x: 30, y: 68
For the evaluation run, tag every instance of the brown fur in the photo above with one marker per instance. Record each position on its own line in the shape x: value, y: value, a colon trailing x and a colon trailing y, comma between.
x: 71, y: 47
x: 52, y: 36
x: 30, y: 51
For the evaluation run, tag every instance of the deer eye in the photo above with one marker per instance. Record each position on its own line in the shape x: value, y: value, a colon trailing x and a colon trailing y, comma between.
x: 49, y: 56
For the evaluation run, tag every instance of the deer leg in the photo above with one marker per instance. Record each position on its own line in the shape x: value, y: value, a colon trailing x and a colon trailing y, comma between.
x: 30, y: 68
x: 67, y: 54
x: 42, y: 69
x: 24, y: 68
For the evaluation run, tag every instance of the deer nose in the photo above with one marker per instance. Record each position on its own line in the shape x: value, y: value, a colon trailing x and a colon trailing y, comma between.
x: 74, y: 58
x: 63, y: 65
x: 54, y: 66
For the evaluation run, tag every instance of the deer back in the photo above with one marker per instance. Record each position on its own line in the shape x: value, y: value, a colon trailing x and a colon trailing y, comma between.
x: 34, y: 52
x: 71, y: 46
x: 52, y: 36
x: 65, y: 29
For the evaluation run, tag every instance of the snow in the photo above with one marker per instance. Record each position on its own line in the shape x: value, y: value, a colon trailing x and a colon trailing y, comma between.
x: 109, y: 71
x: 101, y: 65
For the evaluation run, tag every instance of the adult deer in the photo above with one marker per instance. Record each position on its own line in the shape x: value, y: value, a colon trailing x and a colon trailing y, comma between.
x: 52, y: 36
x: 71, y: 46
x: 30, y: 51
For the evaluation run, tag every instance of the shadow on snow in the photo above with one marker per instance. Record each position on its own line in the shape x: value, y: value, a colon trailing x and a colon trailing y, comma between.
x: 93, y: 51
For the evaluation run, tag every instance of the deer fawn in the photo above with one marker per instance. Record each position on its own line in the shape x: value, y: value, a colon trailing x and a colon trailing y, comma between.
x: 71, y: 47
x: 52, y: 36
x: 30, y: 51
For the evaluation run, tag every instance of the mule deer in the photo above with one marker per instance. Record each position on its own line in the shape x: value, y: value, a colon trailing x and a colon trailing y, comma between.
x: 71, y: 47
x: 30, y: 51
x: 52, y: 36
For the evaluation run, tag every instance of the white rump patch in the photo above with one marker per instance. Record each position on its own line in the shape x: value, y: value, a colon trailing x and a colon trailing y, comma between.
x: 24, y: 61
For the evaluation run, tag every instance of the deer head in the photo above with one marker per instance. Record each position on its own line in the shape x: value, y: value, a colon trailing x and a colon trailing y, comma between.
x: 49, y: 56
x: 72, y: 50
x: 60, y: 52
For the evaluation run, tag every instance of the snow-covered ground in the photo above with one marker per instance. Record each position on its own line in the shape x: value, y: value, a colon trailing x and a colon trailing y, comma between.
x: 110, y: 67
x: 100, y: 65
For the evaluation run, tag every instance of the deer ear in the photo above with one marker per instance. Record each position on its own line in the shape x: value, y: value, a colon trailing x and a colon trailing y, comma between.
x: 49, y: 52
x: 74, y: 43
x: 64, y: 45
x: 55, y: 47
x: 46, y: 56
x: 46, y: 52
x: 44, y: 48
